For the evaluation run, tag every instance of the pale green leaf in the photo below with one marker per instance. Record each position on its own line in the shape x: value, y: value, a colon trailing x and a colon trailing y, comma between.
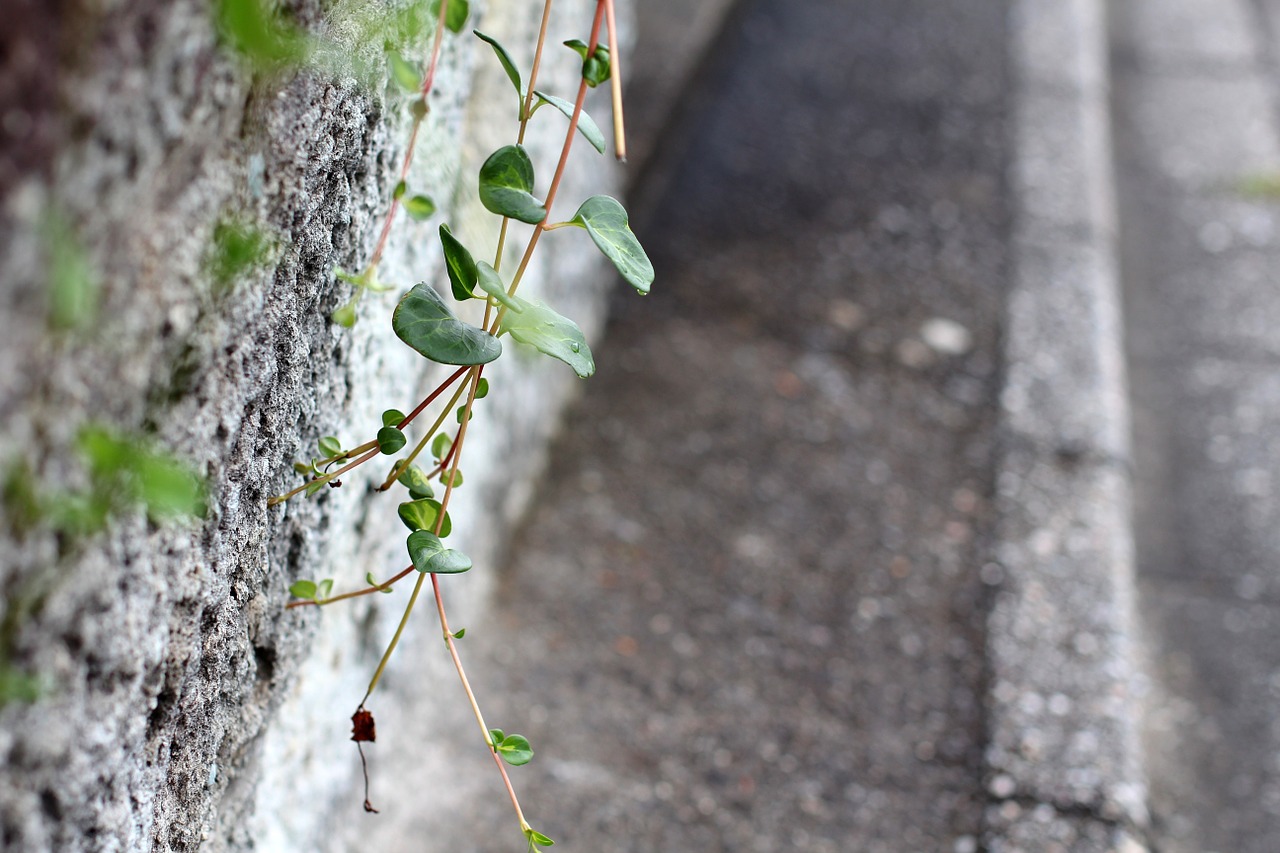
x: 606, y: 221
x: 425, y: 323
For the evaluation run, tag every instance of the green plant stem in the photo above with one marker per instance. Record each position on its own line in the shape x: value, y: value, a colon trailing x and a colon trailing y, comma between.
x: 533, y: 73
x: 615, y: 80
x: 444, y: 508
x: 524, y: 124
x: 327, y: 478
x: 385, y: 585
x: 395, y: 640
x: 372, y: 445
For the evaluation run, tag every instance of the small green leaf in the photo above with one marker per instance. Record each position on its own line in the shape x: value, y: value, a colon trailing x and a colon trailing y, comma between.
x: 460, y: 633
x: 346, y: 315
x: 606, y: 221
x: 496, y: 736
x: 422, y: 514
x: 440, y: 445
x: 515, y: 750
x: 125, y: 467
x: 306, y: 590
x: 324, y: 588
x: 390, y: 440
x: 431, y: 557
x: 482, y: 388
x: 491, y: 283
x: 74, y: 287
x: 313, y: 488
x: 537, y: 838
x: 167, y: 487
x: 415, y: 480
x: 237, y: 248
x: 407, y: 75
x: 508, y: 64
x: 586, y: 125
x: 392, y: 417
x: 255, y: 30
x: 19, y: 497
x: 302, y: 468
x: 19, y: 686
x: 453, y: 478
x: 329, y: 446
x: 506, y: 185
x: 551, y: 334
x: 348, y: 277
x: 426, y: 324
x: 455, y: 17
x: 396, y: 195
x: 460, y: 265
x: 595, y: 68
x: 462, y: 413
x: 419, y: 207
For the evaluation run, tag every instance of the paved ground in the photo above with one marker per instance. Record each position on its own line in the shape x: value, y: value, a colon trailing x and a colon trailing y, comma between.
x: 751, y: 597
x: 772, y: 599
x: 1196, y: 92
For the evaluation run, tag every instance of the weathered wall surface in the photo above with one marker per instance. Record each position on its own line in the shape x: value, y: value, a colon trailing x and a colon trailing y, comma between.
x: 184, y: 707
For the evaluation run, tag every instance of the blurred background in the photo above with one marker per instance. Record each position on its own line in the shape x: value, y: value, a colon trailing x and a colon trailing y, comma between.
x: 809, y: 590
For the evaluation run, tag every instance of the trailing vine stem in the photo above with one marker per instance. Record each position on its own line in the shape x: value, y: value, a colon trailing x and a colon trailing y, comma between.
x: 370, y: 448
x: 592, y: 43
x: 424, y: 322
x: 419, y: 115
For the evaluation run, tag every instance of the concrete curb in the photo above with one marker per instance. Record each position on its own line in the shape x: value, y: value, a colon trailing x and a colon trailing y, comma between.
x: 1064, y: 763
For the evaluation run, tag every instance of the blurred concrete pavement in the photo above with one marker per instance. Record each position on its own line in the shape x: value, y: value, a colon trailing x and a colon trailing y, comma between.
x: 838, y: 551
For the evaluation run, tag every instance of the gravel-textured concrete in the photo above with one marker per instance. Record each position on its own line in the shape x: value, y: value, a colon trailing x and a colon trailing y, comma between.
x: 1064, y: 725
x: 1195, y: 97
x: 185, y: 707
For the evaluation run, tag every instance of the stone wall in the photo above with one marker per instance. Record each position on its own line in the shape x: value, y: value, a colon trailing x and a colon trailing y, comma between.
x: 182, y: 706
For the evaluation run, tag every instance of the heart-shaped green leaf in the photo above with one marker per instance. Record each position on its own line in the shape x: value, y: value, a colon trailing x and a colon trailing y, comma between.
x: 422, y: 514
x: 606, y: 221
x: 415, y: 480
x: 586, y: 124
x: 506, y: 185
x: 390, y: 440
x: 406, y: 75
x: 548, y: 332
x: 455, y: 17
x: 419, y: 207
x: 514, y: 749
x: 460, y: 265
x: 431, y: 557
x: 424, y: 322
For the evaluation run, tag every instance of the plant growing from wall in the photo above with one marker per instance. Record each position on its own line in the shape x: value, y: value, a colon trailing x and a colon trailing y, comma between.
x: 426, y: 321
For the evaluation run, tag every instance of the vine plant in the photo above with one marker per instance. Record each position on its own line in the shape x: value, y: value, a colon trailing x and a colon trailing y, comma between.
x: 425, y: 321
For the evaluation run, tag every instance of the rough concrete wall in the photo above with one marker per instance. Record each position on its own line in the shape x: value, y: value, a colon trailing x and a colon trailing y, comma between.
x: 185, y: 707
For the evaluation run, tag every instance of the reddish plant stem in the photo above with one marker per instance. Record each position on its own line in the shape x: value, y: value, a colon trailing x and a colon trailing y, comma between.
x: 431, y: 397
x: 524, y: 125
x: 427, y: 82
x: 560, y: 166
